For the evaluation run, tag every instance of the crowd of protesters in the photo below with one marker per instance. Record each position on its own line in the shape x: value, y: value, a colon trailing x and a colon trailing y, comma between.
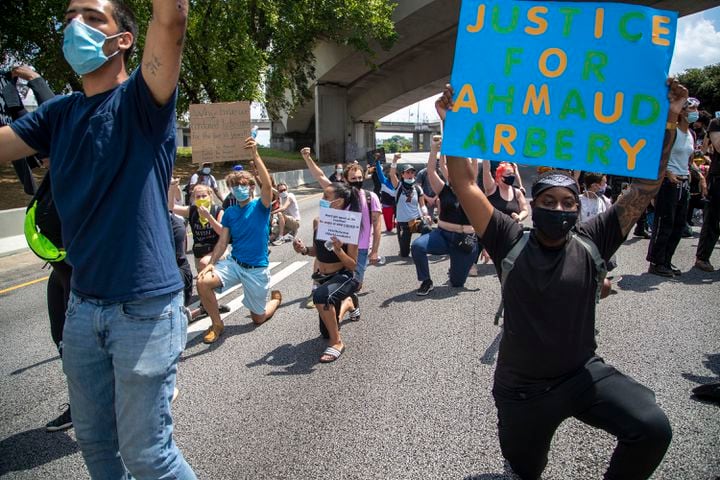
x: 454, y: 206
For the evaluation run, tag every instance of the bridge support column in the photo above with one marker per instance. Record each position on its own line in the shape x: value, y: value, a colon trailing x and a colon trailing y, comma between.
x: 330, y: 123
x: 278, y: 137
x: 425, y: 147
x: 416, y: 142
x: 364, y: 137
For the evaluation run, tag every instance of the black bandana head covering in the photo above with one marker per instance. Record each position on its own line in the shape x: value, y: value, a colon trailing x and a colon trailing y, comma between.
x: 555, y: 178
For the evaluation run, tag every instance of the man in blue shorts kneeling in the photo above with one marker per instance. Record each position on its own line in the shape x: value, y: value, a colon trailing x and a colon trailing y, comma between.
x: 248, y: 224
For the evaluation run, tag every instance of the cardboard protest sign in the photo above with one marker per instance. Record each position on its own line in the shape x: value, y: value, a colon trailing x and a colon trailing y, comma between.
x: 343, y: 224
x: 564, y: 84
x: 218, y: 131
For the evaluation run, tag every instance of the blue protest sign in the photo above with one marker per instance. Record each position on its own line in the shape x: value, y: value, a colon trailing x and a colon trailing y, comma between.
x: 562, y: 84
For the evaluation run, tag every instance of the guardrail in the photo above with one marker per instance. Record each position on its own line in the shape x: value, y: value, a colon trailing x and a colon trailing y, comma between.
x: 12, y: 237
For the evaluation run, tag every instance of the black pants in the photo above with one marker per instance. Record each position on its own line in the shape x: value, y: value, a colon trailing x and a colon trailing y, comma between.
x: 58, y: 293
x: 599, y: 396
x: 671, y: 206
x: 335, y: 289
x: 710, y: 231
x: 404, y: 237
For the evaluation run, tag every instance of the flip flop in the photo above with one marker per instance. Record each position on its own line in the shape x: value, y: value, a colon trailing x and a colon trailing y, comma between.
x: 333, y: 353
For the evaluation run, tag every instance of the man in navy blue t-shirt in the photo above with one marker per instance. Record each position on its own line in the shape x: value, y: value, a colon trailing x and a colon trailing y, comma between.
x: 112, y: 152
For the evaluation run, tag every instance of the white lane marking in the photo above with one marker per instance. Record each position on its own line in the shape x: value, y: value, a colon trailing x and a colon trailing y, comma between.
x: 196, y: 304
x: 196, y: 328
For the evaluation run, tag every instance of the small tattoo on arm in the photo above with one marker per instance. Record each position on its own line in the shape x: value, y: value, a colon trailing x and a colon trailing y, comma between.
x: 180, y: 41
x: 153, y: 65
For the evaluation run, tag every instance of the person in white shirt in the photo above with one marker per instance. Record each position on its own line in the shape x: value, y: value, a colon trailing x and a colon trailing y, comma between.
x: 593, y: 201
x: 287, y: 214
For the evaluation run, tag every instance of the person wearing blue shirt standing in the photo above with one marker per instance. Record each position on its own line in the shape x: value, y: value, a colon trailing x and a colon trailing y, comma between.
x: 248, y: 224
x: 126, y: 325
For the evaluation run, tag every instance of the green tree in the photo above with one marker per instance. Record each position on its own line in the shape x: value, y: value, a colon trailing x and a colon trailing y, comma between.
x: 234, y: 50
x: 704, y: 84
x: 396, y: 143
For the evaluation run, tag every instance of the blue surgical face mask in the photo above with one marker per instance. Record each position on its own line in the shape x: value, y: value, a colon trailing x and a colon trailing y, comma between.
x: 693, y: 117
x: 241, y: 192
x: 325, y: 203
x: 83, y: 47
x: 206, y: 171
x: 409, y: 181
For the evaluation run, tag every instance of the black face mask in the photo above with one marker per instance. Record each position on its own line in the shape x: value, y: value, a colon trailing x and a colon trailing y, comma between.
x: 357, y: 184
x: 509, y: 179
x: 554, y: 224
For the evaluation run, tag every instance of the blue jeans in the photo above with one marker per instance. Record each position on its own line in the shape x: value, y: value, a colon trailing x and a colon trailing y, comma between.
x: 441, y: 242
x: 362, y: 262
x: 120, y: 360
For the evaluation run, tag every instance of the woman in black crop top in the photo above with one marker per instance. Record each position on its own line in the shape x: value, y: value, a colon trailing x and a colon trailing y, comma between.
x: 501, y: 193
x: 334, y: 268
x: 454, y: 235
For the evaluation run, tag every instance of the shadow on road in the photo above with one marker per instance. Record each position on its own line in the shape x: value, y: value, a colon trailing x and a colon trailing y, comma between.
x: 25, y: 369
x: 297, y: 359
x: 33, y: 448
x: 712, y: 363
x: 488, y: 357
x: 646, y: 282
x: 440, y: 292
x: 230, y: 331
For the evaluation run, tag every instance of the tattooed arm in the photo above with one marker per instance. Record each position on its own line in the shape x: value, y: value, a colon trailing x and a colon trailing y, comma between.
x: 163, y: 48
x: 633, y: 203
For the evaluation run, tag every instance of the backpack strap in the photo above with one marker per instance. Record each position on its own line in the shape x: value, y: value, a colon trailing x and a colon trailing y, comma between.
x: 506, y: 266
x: 600, y: 266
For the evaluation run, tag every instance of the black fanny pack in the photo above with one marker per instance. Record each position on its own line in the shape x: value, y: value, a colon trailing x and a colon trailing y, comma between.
x: 467, y: 242
x: 321, y: 278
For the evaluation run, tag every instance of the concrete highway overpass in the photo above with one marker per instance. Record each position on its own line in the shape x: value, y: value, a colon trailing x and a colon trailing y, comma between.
x: 350, y: 95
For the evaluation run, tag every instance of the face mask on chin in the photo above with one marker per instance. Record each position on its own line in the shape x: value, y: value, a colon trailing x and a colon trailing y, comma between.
x: 554, y: 224
x: 83, y: 47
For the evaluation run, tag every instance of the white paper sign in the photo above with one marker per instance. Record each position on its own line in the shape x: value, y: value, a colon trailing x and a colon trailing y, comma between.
x: 343, y: 224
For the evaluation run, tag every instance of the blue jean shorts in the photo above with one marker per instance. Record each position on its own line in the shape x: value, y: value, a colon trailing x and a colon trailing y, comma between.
x: 255, y: 283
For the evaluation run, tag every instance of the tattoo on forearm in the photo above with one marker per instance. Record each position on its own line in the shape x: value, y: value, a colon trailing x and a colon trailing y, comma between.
x: 153, y: 65
x: 180, y: 41
x: 634, y: 202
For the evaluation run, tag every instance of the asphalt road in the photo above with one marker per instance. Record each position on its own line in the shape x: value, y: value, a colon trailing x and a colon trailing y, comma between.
x: 410, y: 397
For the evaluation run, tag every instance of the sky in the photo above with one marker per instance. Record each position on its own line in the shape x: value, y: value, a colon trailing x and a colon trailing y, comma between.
x: 697, y: 44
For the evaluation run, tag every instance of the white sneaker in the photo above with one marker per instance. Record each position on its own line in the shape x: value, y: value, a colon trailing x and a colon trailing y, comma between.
x: 277, y: 242
x: 288, y: 237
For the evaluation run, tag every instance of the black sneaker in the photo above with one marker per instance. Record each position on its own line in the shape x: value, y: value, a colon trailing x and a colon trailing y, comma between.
x: 660, y: 270
x: 63, y: 422
x: 675, y: 270
x: 425, y: 287
x: 642, y: 233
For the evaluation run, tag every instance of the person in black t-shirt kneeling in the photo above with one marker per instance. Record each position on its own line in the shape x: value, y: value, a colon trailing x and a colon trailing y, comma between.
x: 547, y: 367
